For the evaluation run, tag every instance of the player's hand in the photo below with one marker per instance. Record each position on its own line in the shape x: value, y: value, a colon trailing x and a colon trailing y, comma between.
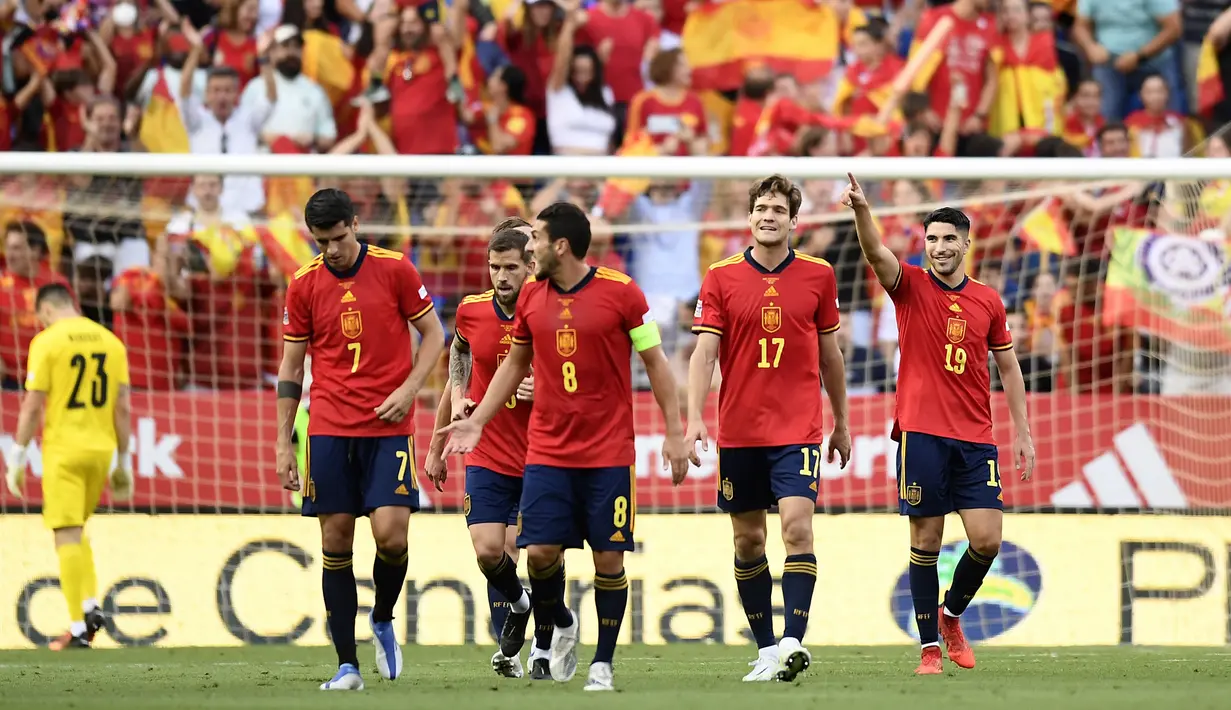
x: 121, y: 477
x: 1023, y: 455
x: 853, y: 196
x: 696, y: 432
x: 462, y: 408
x: 839, y: 442
x: 396, y: 406
x: 675, y: 455
x: 463, y: 436
x: 436, y: 469
x: 15, y: 469
x: 525, y: 391
x: 288, y: 469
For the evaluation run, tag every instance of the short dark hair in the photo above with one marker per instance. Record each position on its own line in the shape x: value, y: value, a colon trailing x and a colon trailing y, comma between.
x: 776, y: 184
x: 982, y: 145
x: 948, y: 215
x: 914, y: 105
x: 565, y: 220
x: 662, y: 66
x: 221, y: 72
x: 509, y: 240
x: 510, y: 223
x: 56, y: 293
x: 327, y: 208
x: 1110, y: 128
x: 875, y: 28
x: 36, y: 239
x: 514, y: 83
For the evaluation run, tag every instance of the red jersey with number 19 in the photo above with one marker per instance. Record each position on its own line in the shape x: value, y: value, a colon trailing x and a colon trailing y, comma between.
x: 769, y: 322
x: 583, y: 346
x: 945, y: 332
x: 489, y: 333
x: 355, y: 325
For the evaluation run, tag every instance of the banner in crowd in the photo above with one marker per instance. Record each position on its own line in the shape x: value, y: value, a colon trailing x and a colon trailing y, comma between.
x: 1174, y: 286
x: 215, y: 452
x: 223, y: 580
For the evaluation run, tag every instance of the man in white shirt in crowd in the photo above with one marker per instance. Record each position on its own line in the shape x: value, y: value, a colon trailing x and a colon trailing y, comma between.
x: 221, y: 123
x: 302, y: 114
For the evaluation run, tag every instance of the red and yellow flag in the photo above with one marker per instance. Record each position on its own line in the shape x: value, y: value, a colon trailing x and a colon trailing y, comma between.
x: 286, y: 245
x: 723, y: 39
x: 1209, y: 81
x: 162, y: 129
x: 1045, y: 229
x: 619, y: 193
x: 1030, y: 95
x: 325, y: 62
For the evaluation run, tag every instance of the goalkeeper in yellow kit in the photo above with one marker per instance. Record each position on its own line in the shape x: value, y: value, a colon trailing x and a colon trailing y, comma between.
x: 78, y: 377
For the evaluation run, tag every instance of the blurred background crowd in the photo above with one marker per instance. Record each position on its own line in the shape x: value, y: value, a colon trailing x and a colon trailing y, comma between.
x: 190, y: 272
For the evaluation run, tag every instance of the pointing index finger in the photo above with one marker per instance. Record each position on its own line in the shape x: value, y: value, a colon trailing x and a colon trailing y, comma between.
x: 854, y: 182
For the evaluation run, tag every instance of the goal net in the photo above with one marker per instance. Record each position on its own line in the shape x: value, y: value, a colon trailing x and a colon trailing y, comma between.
x: 1115, y: 280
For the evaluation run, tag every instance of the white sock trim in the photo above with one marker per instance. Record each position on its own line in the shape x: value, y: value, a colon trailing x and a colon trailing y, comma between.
x: 77, y: 628
x: 522, y: 605
x: 934, y: 643
x: 950, y: 614
x: 89, y: 605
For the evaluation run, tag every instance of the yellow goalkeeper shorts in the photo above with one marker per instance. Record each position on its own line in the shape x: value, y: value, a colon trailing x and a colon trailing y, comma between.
x: 72, y: 485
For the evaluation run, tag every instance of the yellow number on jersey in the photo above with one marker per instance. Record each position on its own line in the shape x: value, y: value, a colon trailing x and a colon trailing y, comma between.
x: 955, y: 359
x: 569, y: 371
x: 812, y: 462
x: 993, y: 476
x: 512, y: 403
x: 620, y: 517
x: 357, y: 347
x: 765, y: 344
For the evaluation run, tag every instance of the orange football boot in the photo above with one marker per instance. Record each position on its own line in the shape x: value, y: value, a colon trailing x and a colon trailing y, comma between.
x: 955, y: 641
x: 929, y: 663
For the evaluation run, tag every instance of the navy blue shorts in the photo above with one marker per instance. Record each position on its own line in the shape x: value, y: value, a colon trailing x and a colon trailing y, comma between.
x: 938, y: 475
x: 491, y: 497
x: 757, y: 477
x: 356, y: 475
x: 566, y: 506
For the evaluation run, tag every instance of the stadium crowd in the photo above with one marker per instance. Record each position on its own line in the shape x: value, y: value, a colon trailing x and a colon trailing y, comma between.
x: 190, y: 273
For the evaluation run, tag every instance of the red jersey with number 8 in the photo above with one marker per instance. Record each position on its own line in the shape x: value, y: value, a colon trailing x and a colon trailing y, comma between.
x: 945, y: 334
x: 769, y: 323
x: 355, y: 325
x: 583, y: 390
x: 489, y: 333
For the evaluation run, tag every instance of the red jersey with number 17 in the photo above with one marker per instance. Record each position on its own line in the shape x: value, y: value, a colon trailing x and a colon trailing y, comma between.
x: 489, y: 333
x: 583, y: 390
x: 770, y: 322
x: 945, y: 333
x: 355, y: 325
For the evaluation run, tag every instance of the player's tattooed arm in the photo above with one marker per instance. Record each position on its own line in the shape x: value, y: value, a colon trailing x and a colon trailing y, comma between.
x: 460, y: 364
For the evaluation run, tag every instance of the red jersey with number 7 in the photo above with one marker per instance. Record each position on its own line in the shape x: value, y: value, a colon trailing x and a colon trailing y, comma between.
x: 355, y: 324
x: 945, y: 334
x: 583, y: 346
x: 489, y: 333
x: 770, y: 322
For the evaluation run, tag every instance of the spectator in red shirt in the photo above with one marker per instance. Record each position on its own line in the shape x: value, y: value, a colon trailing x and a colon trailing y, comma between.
x: 671, y: 109
x: 232, y: 40
x: 626, y: 39
x: 74, y: 90
x: 131, y: 34
x: 1085, y: 118
x: 532, y: 48
x: 503, y: 125
x: 151, y: 324
x: 758, y: 87
x: 417, y: 74
x: 1094, y: 358
x: 25, y: 271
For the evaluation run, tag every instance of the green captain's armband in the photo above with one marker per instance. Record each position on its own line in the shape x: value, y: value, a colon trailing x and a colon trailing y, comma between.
x: 645, y: 336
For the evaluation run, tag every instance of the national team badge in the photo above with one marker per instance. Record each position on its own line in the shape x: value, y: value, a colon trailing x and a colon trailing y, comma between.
x: 728, y: 490
x: 352, y: 324
x: 914, y: 495
x: 955, y: 330
x: 771, y: 318
x: 566, y: 342
x: 466, y: 505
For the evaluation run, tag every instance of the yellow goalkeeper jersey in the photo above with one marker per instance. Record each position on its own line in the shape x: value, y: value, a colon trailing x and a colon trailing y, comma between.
x: 81, y: 366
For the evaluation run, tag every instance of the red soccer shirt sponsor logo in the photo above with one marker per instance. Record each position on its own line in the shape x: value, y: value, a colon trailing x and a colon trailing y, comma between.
x: 769, y: 323
x: 355, y: 325
x: 944, y: 384
x: 482, y: 325
x: 583, y: 411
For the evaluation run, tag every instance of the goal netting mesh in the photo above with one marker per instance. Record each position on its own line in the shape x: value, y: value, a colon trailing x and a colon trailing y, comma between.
x: 1117, y: 294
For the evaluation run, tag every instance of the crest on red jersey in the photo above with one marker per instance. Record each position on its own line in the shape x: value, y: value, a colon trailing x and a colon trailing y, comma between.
x: 955, y: 330
x: 352, y: 324
x: 771, y: 318
x: 566, y: 342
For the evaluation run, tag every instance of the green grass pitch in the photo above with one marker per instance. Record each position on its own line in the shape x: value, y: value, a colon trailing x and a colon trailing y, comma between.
x: 679, y: 677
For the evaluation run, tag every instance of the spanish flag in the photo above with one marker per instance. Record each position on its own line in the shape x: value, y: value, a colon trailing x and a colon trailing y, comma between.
x: 722, y: 39
x: 1046, y: 230
x: 286, y: 245
x: 286, y: 194
x: 162, y: 131
x: 325, y: 62
x: 1030, y: 95
x: 619, y: 193
x: 1209, y: 81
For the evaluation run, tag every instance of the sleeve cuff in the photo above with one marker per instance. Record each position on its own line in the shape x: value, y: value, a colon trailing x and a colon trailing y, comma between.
x: 521, y: 341
x: 832, y: 329
x: 458, y: 334
x: 426, y: 310
x: 707, y: 329
x: 295, y: 338
x: 1006, y: 346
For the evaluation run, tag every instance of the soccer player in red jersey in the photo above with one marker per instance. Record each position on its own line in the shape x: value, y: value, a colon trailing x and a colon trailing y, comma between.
x: 947, y: 458
x: 350, y: 307
x: 578, y: 324
x: 769, y: 315
x: 494, y: 468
